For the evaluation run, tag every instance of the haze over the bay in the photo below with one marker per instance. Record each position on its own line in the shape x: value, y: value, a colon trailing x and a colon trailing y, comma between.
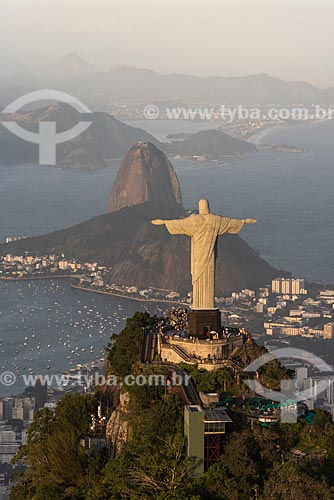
x: 287, y: 39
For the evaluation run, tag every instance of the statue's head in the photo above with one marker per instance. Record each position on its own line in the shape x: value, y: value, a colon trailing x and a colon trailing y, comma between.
x: 204, y: 208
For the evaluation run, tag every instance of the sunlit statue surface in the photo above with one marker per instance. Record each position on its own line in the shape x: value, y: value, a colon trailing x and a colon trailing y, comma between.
x: 204, y: 230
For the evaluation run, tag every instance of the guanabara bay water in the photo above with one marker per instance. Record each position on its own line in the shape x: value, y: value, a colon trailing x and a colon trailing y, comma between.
x: 46, y: 325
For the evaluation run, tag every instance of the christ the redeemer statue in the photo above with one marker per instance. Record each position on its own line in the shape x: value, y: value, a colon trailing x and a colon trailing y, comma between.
x: 204, y: 230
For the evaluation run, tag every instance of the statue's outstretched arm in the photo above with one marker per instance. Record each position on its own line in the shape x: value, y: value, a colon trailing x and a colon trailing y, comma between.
x: 185, y: 226
x: 233, y: 226
x: 158, y: 222
x: 250, y: 221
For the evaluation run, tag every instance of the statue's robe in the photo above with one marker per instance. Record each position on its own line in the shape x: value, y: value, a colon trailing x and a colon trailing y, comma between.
x: 204, y: 231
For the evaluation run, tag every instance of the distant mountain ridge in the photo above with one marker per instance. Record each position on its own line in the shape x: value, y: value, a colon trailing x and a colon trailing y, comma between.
x: 139, y: 84
x: 69, y: 66
x: 73, y: 74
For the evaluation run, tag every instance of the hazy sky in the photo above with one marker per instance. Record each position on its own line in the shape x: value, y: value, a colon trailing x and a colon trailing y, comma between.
x: 290, y: 39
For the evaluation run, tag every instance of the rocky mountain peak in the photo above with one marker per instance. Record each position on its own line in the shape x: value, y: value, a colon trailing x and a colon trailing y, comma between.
x: 145, y: 176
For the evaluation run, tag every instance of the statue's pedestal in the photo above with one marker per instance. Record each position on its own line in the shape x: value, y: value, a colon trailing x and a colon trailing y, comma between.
x: 203, y: 321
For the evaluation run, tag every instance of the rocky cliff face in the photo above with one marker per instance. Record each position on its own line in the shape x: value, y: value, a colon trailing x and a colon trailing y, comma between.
x: 145, y: 176
x: 117, y: 427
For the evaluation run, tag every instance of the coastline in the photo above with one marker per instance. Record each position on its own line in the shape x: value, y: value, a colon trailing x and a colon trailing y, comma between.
x: 34, y: 278
x: 138, y: 299
x: 257, y: 137
x: 74, y: 279
x: 85, y: 289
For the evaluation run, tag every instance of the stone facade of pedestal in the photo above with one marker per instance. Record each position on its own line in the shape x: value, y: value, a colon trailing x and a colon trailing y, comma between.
x: 203, y: 321
x: 207, y: 354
